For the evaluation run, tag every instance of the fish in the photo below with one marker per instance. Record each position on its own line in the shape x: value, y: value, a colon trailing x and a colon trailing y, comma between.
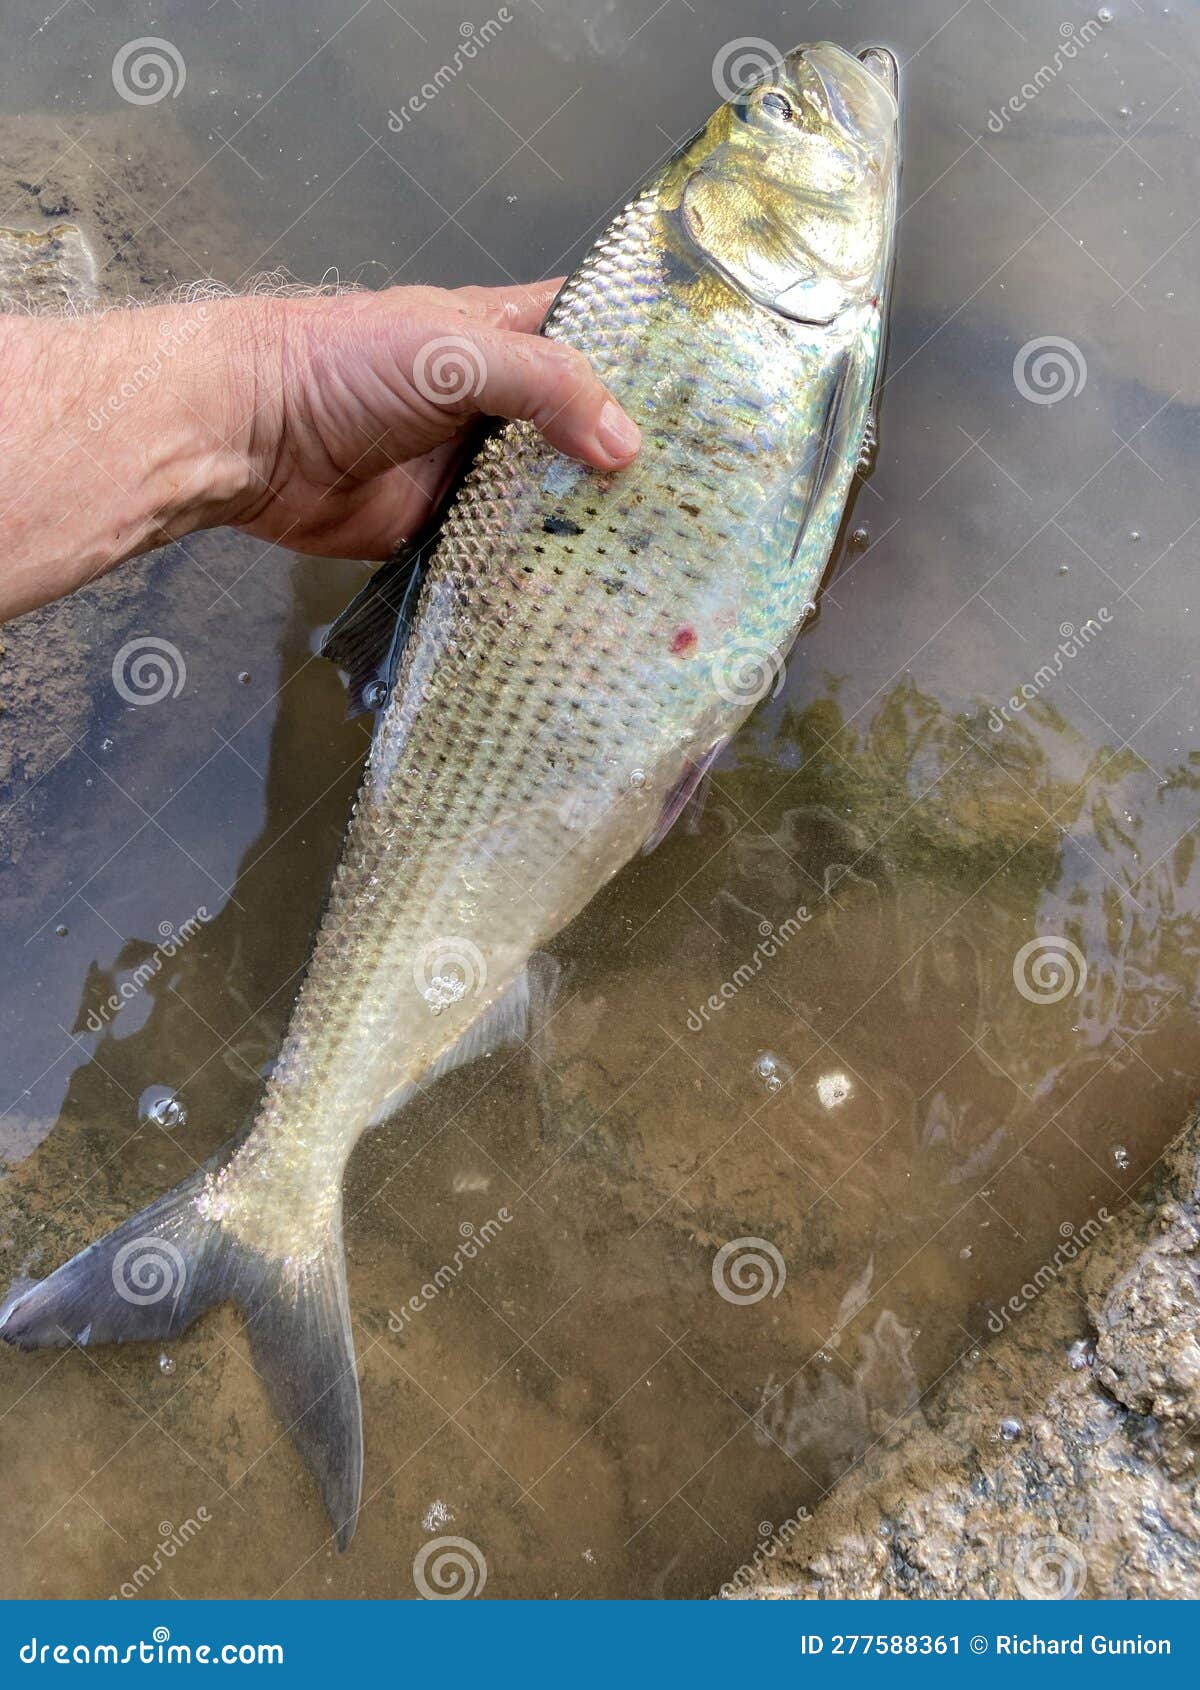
x: 553, y: 671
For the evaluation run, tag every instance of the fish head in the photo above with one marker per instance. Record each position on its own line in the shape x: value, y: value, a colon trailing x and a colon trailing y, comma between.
x: 790, y: 188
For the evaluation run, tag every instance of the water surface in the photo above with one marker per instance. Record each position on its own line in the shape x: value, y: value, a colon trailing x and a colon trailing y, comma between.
x: 911, y: 1118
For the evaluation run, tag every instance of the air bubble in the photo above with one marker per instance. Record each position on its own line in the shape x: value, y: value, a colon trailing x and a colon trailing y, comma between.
x: 166, y: 1363
x: 159, y: 1106
x: 106, y: 745
x: 637, y: 778
x: 244, y: 677
x: 861, y: 537
x: 1081, y: 1354
x: 61, y: 930
x: 1121, y: 1156
x: 1010, y: 1430
x: 767, y: 1069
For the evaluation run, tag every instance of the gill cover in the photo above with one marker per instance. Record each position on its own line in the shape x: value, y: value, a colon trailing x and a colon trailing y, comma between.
x: 790, y: 190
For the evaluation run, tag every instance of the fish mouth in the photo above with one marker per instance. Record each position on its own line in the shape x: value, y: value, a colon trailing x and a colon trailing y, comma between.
x: 883, y: 64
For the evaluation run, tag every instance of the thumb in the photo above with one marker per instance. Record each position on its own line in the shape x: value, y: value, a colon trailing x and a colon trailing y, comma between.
x: 499, y: 373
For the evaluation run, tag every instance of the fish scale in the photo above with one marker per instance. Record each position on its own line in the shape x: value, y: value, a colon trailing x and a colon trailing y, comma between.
x: 581, y: 644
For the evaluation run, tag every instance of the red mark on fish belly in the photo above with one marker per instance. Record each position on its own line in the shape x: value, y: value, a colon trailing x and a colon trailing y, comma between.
x: 684, y: 642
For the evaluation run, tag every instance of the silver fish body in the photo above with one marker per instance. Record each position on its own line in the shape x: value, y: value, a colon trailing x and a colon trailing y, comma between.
x: 581, y: 645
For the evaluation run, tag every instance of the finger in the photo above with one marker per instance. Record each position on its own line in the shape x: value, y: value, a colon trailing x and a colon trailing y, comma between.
x: 521, y: 307
x: 503, y: 374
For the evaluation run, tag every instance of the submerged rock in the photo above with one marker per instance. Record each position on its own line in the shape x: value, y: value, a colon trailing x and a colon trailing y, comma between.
x: 1098, y: 1497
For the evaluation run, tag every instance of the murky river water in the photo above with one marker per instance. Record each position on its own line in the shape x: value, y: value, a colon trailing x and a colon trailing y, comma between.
x: 910, y: 1001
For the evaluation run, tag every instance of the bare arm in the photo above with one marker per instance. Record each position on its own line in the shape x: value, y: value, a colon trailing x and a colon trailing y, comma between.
x: 330, y: 425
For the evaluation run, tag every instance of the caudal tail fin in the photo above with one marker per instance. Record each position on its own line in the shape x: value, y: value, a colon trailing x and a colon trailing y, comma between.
x: 152, y: 1277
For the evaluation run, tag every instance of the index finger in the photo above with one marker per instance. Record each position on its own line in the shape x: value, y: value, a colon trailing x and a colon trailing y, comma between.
x: 521, y: 306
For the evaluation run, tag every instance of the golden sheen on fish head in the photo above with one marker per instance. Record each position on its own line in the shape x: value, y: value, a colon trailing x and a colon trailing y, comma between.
x: 790, y: 188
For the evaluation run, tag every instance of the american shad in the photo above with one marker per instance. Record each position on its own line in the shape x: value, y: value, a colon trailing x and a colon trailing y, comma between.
x: 553, y: 672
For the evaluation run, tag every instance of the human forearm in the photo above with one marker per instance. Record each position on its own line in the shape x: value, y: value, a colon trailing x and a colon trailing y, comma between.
x: 117, y: 434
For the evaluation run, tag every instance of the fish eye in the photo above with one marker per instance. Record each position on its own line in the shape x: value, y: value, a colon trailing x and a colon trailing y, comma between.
x: 777, y: 106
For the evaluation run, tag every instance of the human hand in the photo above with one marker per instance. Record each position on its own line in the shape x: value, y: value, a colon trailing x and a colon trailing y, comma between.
x: 367, y: 400
x: 329, y: 425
